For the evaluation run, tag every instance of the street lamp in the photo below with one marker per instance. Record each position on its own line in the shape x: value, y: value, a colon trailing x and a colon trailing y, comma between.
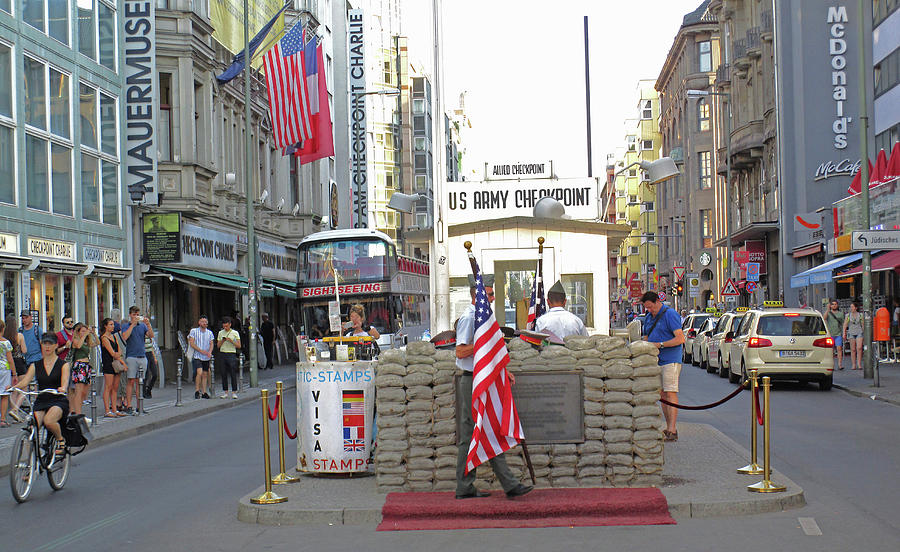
x: 699, y: 93
x: 658, y: 171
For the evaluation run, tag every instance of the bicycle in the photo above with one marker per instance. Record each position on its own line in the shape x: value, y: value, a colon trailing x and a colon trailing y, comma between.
x: 29, y: 455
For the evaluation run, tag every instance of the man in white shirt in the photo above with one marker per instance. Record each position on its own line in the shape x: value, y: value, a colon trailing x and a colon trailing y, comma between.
x: 558, y: 320
x: 201, y: 340
x: 465, y: 361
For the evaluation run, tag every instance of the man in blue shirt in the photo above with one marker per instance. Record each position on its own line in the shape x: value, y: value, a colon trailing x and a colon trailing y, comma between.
x: 134, y: 330
x: 662, y: 327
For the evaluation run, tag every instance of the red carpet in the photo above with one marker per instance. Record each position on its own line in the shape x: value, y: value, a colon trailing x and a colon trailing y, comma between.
x: 539, y: 508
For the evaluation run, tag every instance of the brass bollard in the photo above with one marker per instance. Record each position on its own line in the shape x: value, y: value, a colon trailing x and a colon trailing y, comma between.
x: 766, y: 485
x: 267, y: 497
x: 282, y: 476
x: 752, y: 468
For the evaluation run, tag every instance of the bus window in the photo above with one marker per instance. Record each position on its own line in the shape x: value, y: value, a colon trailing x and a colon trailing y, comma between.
x: 363, y: 260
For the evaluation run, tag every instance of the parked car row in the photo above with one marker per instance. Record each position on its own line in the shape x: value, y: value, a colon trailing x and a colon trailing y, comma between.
x: 785, y: 344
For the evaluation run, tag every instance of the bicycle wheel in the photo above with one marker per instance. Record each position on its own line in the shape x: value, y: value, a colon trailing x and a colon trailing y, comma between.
x: 22, y: 467
x: 58, y: 472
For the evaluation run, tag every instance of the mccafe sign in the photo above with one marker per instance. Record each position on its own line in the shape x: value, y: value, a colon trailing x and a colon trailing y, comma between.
x: 844, y: 167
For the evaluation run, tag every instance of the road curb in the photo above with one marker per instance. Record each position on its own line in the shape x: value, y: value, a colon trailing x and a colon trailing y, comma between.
x: 146, y: 426
x: 865, y: 395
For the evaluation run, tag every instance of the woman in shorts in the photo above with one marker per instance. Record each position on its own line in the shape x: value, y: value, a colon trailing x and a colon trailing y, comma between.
x: 83, y: 339
x: 7, y: 373
x: 109, y: 351
x: 853, y: 334
x: 52, y: 374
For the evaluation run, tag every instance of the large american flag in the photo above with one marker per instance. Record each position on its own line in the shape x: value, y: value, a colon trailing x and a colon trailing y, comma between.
x: 286, y: 86
x: 497, y: 426
x: 537, y: 307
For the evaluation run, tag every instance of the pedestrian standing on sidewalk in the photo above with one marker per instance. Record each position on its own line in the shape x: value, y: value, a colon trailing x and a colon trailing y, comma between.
x: 7, y: 373
x: 83, y: 340
x: 201, y: 340
x: 64, y: 337
x: 152, y: 374
x: 834, y: 321
x: 853, y: 333
x: 662, y: 328
x: 267, y: 331
x: 109, y: 351
x: 134, y: 331
x: 229, y: 342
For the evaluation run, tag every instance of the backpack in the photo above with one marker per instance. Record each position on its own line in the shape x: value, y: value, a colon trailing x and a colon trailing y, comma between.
x: 76, y: 432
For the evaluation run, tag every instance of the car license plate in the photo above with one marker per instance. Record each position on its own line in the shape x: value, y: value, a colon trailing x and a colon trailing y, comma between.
x: 792, y: 354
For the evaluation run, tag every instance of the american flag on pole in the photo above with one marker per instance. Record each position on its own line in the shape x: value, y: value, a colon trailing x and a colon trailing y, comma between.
x: 537, y: 307
x: 497, y: 427
x: 286, y: 86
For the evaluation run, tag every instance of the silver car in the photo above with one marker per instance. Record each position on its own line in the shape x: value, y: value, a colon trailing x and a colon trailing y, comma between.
x: 700, y: 347
x: 690, y: 327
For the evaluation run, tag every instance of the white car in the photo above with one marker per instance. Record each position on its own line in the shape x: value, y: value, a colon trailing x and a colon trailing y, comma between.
x: 719, y: 345
x: 785, y: 344
x: 700, y: 346
x: 690, y: 326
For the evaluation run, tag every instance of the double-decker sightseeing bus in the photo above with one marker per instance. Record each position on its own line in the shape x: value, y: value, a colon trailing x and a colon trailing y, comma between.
x: 393, y: 289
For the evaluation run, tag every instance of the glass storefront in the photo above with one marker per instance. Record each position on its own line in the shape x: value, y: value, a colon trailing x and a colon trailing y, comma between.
x: 579, y: 296
x: 10, y: 294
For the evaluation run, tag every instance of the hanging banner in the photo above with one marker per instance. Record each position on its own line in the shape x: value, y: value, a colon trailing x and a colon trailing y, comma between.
x: 356, y: 68
x: 141, y: 97
x: 227, y: 18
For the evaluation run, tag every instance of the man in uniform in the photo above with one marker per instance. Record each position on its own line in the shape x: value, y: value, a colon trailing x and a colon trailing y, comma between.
x: 558, y: 320
x: 465, y: 361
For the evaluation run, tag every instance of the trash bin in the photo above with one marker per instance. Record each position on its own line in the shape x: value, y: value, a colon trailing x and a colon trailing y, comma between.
x: 335, y: 408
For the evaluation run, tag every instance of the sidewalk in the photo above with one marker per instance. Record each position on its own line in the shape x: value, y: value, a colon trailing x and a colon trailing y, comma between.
x: 161, y: 410
x: 852, y: 381
x: 699, y: 476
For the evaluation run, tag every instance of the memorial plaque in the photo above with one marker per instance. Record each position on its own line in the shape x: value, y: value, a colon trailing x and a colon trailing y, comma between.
x: 550, y: 405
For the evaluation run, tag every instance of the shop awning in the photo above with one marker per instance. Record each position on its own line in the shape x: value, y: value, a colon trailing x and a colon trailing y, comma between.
x: 822, y: 274
x: 14, y: 262
x: 220, y: 279
x: 752, y: 231
x: 283, y: 288
x: 806, y: 250
x: 888, y: 260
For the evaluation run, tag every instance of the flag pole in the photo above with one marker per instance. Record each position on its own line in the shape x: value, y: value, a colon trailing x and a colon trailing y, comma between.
x: 474, y: 265
x: 251, y: 237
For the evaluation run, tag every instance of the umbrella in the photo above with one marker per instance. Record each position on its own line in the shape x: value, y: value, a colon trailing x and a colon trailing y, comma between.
x: 855, y: 187
x: 892, y: 171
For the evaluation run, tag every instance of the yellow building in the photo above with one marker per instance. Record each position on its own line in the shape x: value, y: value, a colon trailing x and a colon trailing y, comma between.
x: 635, y: 198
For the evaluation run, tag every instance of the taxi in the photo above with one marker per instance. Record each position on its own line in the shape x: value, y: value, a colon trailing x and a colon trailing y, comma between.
x: 690, y: 327
x: 700, y: 344
x: 718, y: 344
x: 785, y: 344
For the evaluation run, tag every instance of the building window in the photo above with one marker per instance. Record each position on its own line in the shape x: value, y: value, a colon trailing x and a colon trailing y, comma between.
x: 703, y: 115
x: 7, y: 127
x: 55, y: 13
x: 649, y: 206
x: 421, y: 183
x: 887, y: 73
x: 99, y: 156
x: 704, y: 50
x: 646, y: 145
x: 165, y: 120
x: 419, y: 107
x: 704, y: 160
x: 106, y: 25
x: 87, y: 97
x: 419, y: 143
x: 6, y: 5
x: 631, y: 142
x: 706, y: 228
x: 647, y: 109
x: 87, y: 34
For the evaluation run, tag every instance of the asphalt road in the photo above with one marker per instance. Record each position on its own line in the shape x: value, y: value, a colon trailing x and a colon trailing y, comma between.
x: 177, y: 489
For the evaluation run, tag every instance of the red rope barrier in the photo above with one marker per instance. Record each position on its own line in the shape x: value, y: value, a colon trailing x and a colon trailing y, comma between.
x: 759, y: 414
x: 288, y: 431
x: 274, y: 413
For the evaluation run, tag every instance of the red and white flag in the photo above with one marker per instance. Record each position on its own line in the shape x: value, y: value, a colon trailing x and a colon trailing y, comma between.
x: 497, y: 426
x: 286, y: 87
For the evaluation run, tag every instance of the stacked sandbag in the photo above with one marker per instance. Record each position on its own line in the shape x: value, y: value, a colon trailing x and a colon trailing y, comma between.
x: 416, y: 405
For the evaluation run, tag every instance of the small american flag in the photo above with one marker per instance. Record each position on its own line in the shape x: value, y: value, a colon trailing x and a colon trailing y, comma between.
x: 286, y: 87
x: 537, y: 307
x: 497, y: 427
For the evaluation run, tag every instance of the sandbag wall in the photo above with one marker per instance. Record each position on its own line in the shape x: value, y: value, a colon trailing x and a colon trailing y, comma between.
x: 416, y: 398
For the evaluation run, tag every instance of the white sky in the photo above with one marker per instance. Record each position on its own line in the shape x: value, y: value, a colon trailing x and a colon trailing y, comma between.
x: 522, y: 65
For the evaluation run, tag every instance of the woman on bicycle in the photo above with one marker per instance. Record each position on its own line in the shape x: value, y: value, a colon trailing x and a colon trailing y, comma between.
x: 109, y: 351
x: 83, y: 339
x: 52, y: 373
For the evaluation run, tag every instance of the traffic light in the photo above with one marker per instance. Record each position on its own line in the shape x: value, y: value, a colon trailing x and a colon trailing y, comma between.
x: 679, y: 289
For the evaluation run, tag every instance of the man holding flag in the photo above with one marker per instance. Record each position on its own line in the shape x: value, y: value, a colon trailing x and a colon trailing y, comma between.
x: 493, y: 423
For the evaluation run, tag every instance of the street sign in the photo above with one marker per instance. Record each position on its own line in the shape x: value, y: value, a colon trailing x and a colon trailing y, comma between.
x: 678, y: 271
x: 693, y: 284
x: 752, y: 272
x: 875, y: 239
x: 662, y: 296
x: 729, y: 289
x: 750, y: 287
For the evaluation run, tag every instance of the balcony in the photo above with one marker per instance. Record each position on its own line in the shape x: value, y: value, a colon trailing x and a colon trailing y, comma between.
x: 739, y: 51
x: 723, y: 75
x: 754, y: 43
x: 767, y: 29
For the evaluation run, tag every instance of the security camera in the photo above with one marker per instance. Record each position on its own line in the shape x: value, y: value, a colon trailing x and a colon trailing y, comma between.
x: 296, y: 209
x: 171, y: 278
x: 279, y: 205
x: 264, y: 195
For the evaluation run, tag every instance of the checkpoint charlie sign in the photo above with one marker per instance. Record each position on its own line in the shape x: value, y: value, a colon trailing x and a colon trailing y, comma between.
x: 335, y: 415
x: 473, y: 201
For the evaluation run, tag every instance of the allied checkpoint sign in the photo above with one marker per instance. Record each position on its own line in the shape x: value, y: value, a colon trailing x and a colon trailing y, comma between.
x: 472, y: 201
x: 335, y: 410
